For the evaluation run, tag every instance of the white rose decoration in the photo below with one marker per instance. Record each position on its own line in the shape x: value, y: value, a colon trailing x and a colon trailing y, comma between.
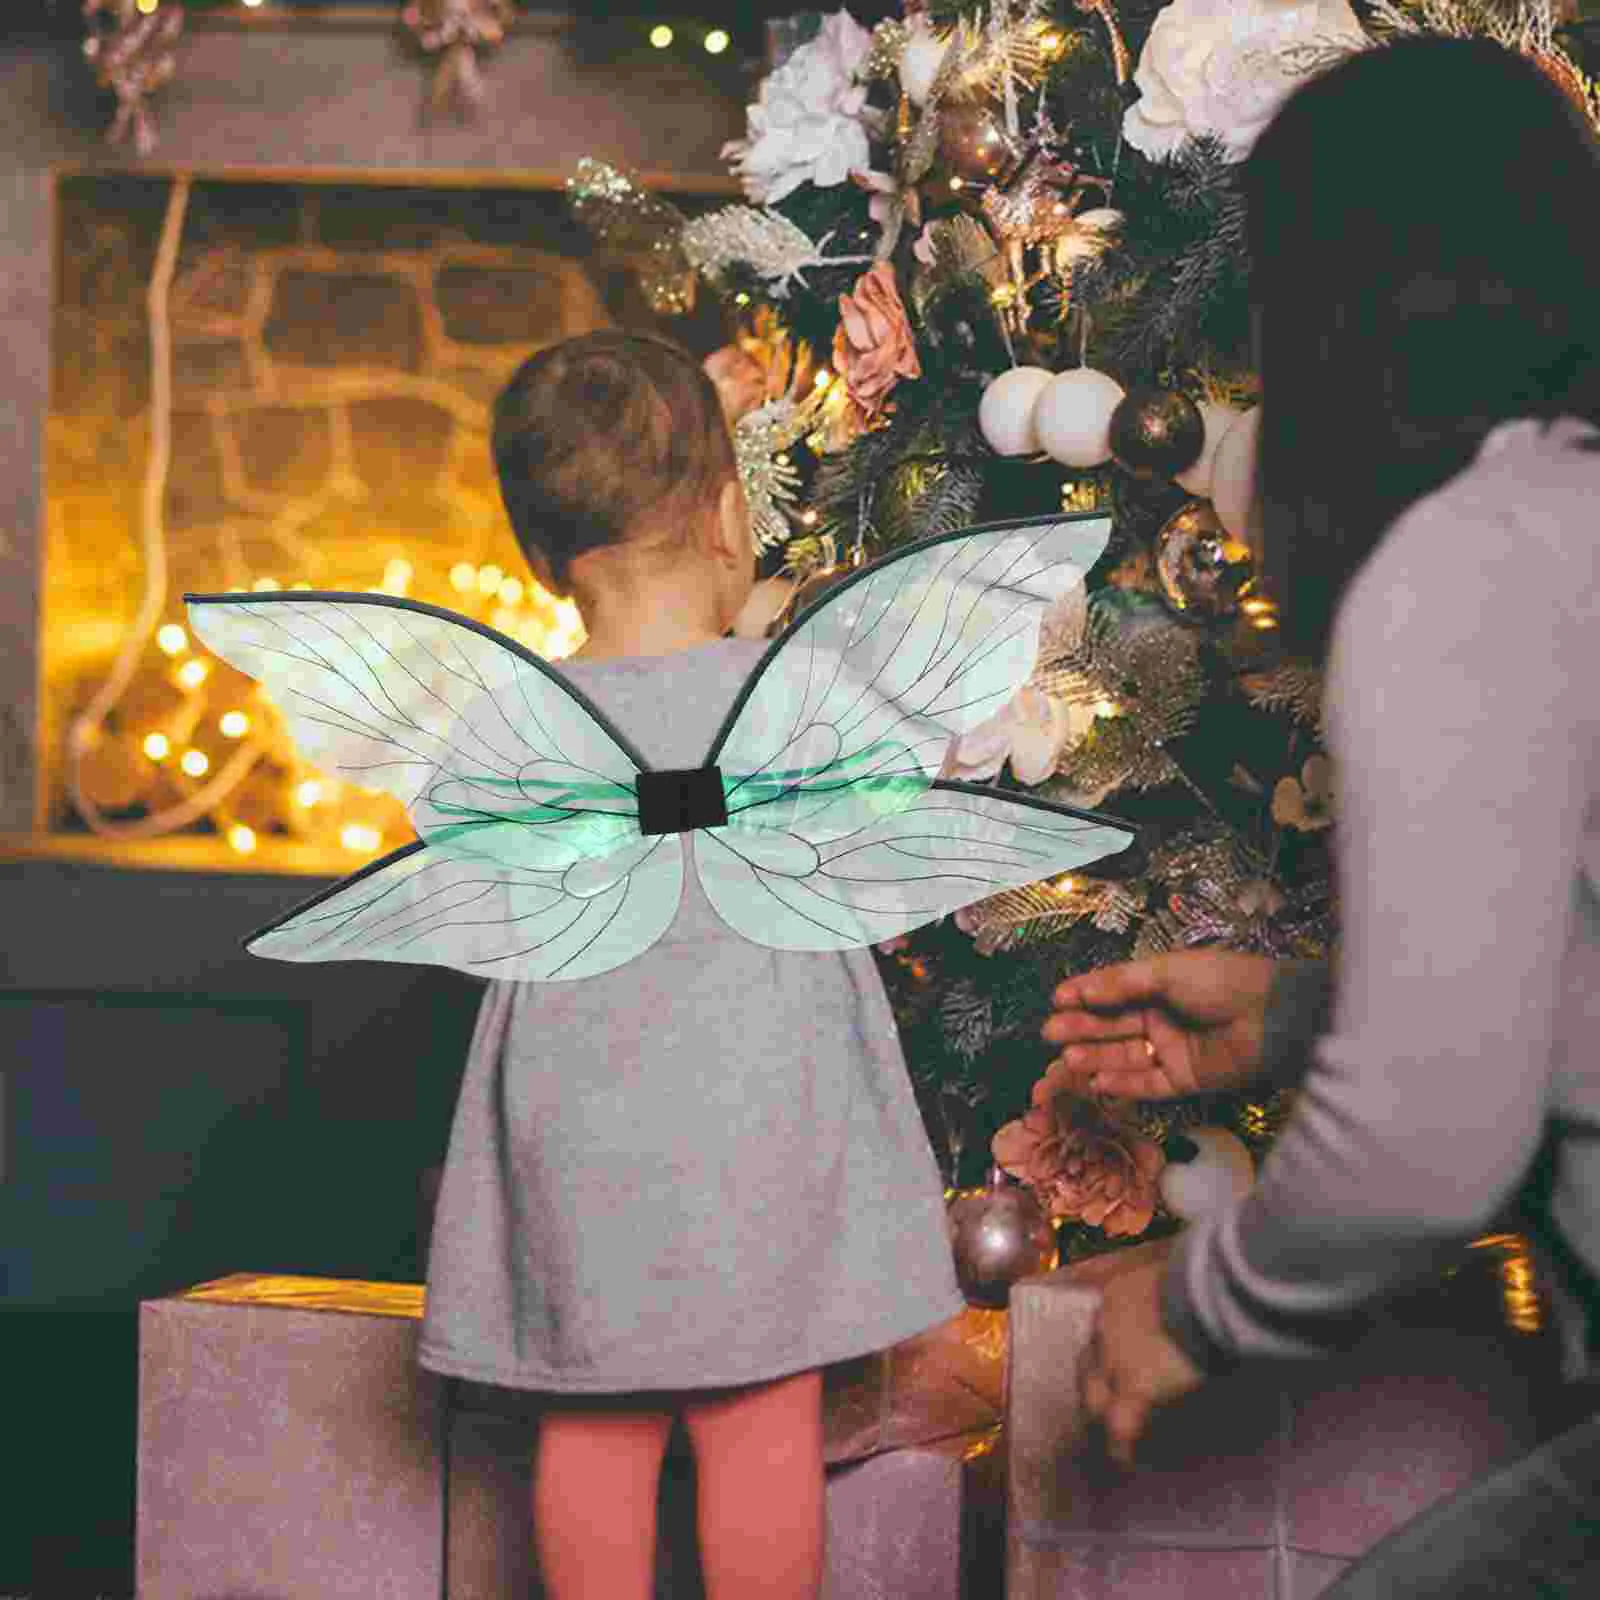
x: 808, y: 123
x: 1224, y: 67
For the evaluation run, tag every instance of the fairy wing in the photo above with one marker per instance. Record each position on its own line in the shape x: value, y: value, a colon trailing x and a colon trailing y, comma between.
x: 531, y: 862
x: 837, y: 833
x: 951, y: 845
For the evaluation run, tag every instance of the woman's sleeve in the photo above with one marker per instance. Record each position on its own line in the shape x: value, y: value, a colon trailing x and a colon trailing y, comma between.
x: 1463, y: 736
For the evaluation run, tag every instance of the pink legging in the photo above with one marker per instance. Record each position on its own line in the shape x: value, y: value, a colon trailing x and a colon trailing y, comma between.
x: 758, y: 1472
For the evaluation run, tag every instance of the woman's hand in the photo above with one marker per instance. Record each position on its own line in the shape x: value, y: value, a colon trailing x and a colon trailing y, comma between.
x: 1134, y: 1367
x: 1189, y: 1022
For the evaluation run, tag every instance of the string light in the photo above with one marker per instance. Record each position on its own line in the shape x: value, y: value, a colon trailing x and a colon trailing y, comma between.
x: 809, y: 517
x: 301, y: 585
x: 148, y: 7
x: 716, y: 42
x: 193, y: 673
x: 234, y: 725
x: 307, y: 794
x: 397, y: 576
x: 266, y: 586
x: 741, y: 299
x: 359, y: 837
x: 157, y: 746
x: 463, y: 576
x: 172, y: 639
x: 196, y: 763
x: 1107, y: 708
x: 956, y: 183
x: 489, y: 578
x: 242, y: 838
x: 661, y: 36
x: 823, y: 378
x: 511, y: 591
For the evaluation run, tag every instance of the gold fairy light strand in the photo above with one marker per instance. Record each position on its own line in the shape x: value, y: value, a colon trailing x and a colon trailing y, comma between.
x: 89, y: 727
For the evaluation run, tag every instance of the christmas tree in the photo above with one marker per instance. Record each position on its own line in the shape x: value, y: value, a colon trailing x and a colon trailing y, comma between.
x: 993, y: 265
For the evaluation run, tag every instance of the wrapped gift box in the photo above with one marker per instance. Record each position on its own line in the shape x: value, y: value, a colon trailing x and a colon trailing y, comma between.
x: 290, y: 1446
x: 1268, y: 1482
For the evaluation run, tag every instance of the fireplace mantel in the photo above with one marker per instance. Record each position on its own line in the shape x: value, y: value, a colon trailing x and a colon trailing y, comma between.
x: 264, y: 95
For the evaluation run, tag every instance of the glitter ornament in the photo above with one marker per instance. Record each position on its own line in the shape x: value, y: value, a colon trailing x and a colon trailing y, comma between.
x: 1005, y: 414
x: 1072, y: 416
x: 627, y: 218
x: 1201, y: 569
x: 998, y: 1234
x: 1207, y: 1171
x: 1156, y: 433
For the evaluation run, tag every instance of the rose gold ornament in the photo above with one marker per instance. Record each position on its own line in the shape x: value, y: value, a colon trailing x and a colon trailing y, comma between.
x: 132, y: 52
x: 456, y: 30
x: 998, y: 1234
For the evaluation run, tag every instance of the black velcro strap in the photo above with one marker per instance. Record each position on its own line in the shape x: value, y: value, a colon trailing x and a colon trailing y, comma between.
x: 675, y: 802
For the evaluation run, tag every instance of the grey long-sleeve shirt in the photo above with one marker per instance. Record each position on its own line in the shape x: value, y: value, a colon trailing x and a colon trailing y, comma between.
x: 1464, y: 722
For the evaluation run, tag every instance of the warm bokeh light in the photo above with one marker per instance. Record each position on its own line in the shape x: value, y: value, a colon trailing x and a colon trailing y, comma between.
x: 511, y: 592
x: 823, y: 378
x: 1107, y: 708
x: 196, y: 763
x: 149, y: 7
x: 308, y: 793
x: 242, y: 839
x: 489, y: 579
x: 717, y: 41
x: 234, y: 724
x: 397, y: 576
x: 172, y: 639
x: 463, y: 576
x: 193, y: 673
x: 266, y: 586
x: 661, y: 36
x: 157, y: 746
x: 359, y: 837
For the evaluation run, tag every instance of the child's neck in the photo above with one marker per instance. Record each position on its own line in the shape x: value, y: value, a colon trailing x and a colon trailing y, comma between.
x: 642, y: 636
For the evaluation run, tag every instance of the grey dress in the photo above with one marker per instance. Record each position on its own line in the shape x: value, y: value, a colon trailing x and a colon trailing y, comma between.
x: 702, y: 1168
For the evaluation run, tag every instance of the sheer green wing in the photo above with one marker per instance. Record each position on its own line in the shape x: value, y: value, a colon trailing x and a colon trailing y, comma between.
x: 854, y: 705
x: 531, y: 864
x: 948, y: 846
x: 481, y: 913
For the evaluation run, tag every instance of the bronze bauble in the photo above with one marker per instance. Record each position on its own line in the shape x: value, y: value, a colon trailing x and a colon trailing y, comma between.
x: 1201, y: 567
x: 998, y: 1234
x: 973, y: 143
x: 1157, y: 432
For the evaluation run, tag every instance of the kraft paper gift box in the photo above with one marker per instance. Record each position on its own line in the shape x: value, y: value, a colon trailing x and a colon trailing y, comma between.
x: 290, y: 1448
x: 1267, y: 1483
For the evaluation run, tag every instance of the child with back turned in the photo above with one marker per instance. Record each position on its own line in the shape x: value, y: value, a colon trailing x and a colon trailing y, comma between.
x: 681, y: 1187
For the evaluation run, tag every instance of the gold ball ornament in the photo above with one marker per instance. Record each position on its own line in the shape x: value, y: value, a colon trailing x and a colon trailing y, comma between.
x: 1156, y: 433
x: 1202, y: 568
x: 998, y: 1234
x: 974, y: 146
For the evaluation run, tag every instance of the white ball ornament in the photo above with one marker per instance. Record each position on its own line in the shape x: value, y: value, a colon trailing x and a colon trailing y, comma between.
x: 921, y: 59
x: 1005, y: 413
x: 1072, y: 416
x: 1220, y: 1173
x: 1196, y: 480
x: 1233, y: 480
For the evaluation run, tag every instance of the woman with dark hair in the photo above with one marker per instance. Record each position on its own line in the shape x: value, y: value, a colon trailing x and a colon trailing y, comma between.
x: 1423, y: 225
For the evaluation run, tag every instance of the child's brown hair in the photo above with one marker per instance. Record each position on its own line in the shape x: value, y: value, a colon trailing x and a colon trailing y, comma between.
x: 596, y: 432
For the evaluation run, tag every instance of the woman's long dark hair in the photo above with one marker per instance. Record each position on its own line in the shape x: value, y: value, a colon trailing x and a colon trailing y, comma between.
x: 1423, y: 223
